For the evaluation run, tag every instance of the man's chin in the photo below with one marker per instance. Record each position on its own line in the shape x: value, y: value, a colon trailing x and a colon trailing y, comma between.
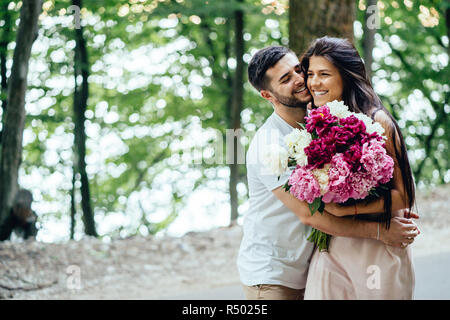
x: 301, y: 103
x: 297, y: 104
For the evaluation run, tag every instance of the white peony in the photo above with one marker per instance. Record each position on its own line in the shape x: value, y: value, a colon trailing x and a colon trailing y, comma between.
x: 338, y: 109
x: 301, y: 158
x: 371, y: 126
x: 275, y: 159
x: 321, y: 176
x: 378, y: 128
x: 291, y: 140
x: 296, y: 141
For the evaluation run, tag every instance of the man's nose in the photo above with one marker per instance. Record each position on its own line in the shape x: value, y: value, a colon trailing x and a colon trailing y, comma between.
x: 299, y: 79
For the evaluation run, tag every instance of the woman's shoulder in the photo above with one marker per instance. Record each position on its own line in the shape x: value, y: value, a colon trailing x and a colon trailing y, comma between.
x: 382, y: 116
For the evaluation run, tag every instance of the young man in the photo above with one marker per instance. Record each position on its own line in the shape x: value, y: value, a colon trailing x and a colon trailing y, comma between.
x: 274, y: 255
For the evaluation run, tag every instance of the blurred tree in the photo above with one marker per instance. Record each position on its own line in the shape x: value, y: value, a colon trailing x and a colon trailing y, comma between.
x: 411, y: 75
x: 7, y: 35
x: 162, y: 92
x: 235, y: 109
x: 5, y: 39
x: 12, y: 137
x: 309, y: 20
x: 81, y: 95
x: 371, y: 20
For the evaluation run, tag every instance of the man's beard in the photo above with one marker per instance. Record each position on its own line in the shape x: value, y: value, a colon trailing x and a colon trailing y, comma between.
x: 290, y: 102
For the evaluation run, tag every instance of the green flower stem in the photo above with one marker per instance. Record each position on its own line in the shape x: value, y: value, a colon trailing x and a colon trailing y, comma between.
x: 320, y: 239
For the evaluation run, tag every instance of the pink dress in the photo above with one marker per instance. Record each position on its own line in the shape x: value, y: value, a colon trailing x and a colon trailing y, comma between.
x: 357, y: 268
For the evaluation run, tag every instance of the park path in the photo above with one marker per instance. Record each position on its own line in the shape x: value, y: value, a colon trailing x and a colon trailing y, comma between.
x: 432, y: 282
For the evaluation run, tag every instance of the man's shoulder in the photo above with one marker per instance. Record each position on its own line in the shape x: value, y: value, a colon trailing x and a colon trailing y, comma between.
x: 266, y: 135
x: 267, y: 130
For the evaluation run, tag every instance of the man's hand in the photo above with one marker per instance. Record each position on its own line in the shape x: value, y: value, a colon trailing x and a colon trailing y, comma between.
x: 401, y: 233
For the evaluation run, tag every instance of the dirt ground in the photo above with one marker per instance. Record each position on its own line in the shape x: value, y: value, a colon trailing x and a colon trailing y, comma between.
x: 155, y: 267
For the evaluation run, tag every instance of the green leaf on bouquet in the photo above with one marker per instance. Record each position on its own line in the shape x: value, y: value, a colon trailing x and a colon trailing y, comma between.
x: 302, y: 125
x: 320, y: 239
x: 374, y: 193
x: 321, y: 207
x: 286, y: 186
x: 313, y: 207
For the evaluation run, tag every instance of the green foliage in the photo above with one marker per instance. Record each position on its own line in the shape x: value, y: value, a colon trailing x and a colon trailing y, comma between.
x: 149, y: 111
x: 413, y: 68
x: 159, y: 70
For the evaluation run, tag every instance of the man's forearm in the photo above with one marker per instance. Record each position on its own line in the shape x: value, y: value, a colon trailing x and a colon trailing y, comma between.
x: 343, y: 227
x: 375, y: 206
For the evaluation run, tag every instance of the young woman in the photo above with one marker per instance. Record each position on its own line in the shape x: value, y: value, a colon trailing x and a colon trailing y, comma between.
x: 355, y: 268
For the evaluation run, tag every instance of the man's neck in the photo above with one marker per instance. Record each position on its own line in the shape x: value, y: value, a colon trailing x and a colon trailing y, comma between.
x: 292, y: 116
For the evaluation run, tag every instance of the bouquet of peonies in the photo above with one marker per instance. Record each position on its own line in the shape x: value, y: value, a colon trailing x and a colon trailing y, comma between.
x: 340, y: 156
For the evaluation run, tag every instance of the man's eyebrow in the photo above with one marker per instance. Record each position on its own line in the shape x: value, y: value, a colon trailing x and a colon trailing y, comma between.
x: 284, y: 75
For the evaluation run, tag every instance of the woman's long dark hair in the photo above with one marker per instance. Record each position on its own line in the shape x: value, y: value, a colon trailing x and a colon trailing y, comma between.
x: 359, y: 96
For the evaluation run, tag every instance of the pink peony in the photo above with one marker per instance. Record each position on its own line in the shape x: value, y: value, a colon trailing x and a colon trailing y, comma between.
x: 339, y: 190
x: 303, y: 185
x: 360, y: 183
x: 353, y: 156
x: 341, y: 137
x: 353, y: 124
x: 376, y: 161
x: 321, y: 120
x: 319, y: 152
x: 365, y: 137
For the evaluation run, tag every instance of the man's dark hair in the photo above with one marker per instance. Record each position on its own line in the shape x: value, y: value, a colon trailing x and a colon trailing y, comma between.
x: 263, y: 60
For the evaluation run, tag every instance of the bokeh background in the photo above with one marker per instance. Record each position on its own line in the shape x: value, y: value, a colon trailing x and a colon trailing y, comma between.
x: 127, y: 116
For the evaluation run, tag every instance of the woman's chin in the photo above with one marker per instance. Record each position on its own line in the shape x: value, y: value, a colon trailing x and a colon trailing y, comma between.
x: 321, y: 101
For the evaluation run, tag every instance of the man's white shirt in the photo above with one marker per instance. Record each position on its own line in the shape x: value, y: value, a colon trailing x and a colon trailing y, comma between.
x: 274, y: 247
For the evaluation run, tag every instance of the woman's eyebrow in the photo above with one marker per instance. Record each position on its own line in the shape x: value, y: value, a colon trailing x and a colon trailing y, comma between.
x: 321, y: 70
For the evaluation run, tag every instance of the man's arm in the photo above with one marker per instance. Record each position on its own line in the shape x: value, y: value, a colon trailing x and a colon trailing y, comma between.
x: 400, y: 229
x: 375, y: 206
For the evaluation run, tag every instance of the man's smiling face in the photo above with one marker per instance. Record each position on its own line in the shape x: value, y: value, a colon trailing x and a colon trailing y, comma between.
x: 287, y: 84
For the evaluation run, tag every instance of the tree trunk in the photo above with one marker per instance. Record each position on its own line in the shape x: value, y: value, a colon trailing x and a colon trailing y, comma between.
x: 11, y: 153
x: 236, y: 108
x: 309, y: 20
x: 73, y: 210
x: 80, y: 104
x: 6, y: 38
x: 369, y: 39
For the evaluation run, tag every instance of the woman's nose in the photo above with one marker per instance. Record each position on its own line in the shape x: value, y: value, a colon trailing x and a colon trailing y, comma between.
x: 313, y: 81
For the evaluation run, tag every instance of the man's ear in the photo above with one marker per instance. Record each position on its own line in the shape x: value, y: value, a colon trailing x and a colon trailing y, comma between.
x: 266, y: 95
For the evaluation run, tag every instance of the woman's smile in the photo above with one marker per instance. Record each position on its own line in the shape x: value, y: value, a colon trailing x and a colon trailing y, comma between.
x: 324, y: 81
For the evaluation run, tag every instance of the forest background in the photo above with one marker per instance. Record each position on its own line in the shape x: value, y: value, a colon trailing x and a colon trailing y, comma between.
x: 132, y: 109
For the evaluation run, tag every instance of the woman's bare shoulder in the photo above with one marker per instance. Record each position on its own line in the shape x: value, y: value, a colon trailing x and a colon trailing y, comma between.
x: 382, y: 116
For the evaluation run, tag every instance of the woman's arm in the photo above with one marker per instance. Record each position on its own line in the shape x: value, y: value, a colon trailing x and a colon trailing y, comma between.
x: 398, y: 193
